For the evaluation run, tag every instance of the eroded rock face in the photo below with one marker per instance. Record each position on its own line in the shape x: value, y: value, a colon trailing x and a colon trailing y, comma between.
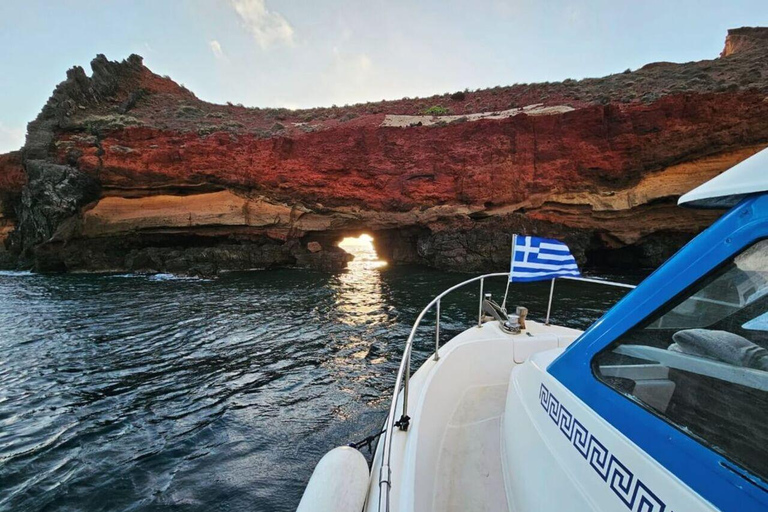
x: 12, y: 179
x: 128, y: 170
x: 51, y: 202
x: 744, y: 39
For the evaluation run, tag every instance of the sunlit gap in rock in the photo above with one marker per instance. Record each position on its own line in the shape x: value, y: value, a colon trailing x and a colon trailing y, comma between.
x: 360, y: 299
x: 363, y: 251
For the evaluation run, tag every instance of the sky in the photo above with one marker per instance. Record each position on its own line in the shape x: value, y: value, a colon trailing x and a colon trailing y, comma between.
x: 308, y: 53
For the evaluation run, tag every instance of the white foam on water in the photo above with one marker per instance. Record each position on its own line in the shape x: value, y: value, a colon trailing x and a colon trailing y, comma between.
x: 157, y: 277
x: 175, y: 277
x: 16, y: 273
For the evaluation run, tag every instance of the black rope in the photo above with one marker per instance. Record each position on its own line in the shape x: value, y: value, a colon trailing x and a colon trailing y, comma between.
x: 368, y: 441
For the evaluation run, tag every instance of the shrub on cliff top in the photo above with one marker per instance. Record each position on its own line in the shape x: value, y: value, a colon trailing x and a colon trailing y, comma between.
x: 436, y: 110
x: 280, y: 114
x: 308, y: 116
x: 209, y: 129
x: 188, y: 111
x: 232, y: 125
x: 96, y: 124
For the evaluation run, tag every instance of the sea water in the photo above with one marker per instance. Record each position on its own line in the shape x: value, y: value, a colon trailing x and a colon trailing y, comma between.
x: 162, y: 392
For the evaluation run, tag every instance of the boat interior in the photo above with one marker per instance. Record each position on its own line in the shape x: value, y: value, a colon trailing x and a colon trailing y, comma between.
x: 452, y: 454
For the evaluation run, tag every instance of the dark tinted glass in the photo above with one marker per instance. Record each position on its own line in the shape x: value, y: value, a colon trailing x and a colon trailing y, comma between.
x: 701, y: 362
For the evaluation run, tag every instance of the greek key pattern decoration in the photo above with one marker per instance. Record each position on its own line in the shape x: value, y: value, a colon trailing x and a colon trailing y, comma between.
x: 629, y: 489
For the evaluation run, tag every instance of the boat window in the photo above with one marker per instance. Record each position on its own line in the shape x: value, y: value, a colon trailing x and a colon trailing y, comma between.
x: 701, y: 362
x: 757, y: 324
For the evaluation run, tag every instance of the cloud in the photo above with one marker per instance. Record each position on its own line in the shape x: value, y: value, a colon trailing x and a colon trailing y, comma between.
x: 216, y: 49
x: 357, y: 66
x: 267, y: 27
x: 11, y: 138
x: 350, y: 77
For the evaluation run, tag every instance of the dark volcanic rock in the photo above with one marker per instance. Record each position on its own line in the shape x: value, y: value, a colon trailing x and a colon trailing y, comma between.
x: 51, y: 203
x: 329, y: 260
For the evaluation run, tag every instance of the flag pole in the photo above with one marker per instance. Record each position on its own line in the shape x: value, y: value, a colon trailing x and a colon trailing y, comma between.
x: 549, y: 306
x: 511, y: 266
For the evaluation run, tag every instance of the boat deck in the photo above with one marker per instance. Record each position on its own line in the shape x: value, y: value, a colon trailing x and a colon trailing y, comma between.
x: 469, y: 473
x: 451, y: 457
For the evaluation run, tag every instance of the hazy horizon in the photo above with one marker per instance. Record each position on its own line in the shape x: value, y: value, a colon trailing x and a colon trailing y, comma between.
x: 272, y: 53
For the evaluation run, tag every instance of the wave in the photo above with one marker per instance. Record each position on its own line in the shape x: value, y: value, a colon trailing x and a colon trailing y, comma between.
x: 16, y: 273
x: 175, y: 277
x: 163, y: 276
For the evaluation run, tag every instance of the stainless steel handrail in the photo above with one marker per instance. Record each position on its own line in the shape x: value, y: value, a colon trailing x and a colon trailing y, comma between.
x: 583, y: 280
x: 404, y: 374
x: 598, y: 281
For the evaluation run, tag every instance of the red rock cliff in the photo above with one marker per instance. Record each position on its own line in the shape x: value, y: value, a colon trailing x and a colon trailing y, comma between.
x: 744, y: 39
x: 126, y: 169
x: 12, y: 181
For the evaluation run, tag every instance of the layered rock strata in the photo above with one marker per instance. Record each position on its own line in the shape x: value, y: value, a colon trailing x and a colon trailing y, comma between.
x: 128, y: 170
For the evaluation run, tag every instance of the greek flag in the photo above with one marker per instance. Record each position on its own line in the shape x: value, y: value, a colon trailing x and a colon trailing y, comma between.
x: 536, y: 259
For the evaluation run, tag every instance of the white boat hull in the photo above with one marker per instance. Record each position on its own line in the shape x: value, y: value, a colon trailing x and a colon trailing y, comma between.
x: 485, y: 435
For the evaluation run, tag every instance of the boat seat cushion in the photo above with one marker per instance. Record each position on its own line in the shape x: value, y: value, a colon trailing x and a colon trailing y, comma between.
x: 721, y: 345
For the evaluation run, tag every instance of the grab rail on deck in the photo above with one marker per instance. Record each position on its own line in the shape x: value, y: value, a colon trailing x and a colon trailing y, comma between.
x: 404, y: 371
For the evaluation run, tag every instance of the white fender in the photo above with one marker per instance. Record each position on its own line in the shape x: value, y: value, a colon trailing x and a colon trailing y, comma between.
x: 339, y: 483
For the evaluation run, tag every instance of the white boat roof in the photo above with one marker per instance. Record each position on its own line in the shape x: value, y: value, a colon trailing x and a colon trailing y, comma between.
x: 724, y: 191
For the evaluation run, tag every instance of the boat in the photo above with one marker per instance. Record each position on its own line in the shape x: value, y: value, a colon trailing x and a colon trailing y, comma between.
x: 660, y: 406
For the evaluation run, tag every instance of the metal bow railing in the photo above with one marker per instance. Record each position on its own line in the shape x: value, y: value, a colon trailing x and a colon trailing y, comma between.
x: 404, y: 372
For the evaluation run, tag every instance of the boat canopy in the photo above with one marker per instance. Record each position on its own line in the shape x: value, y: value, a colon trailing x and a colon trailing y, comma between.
x: 726, y: 190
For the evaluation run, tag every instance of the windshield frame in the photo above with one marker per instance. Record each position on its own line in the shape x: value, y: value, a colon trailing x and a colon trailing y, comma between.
x: 705, y: 471
x: 747, y: 308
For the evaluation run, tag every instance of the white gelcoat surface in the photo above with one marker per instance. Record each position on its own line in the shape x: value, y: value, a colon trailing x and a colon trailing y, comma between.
x: 545, y: 472
x: 339, y: 483
x: 727, y: 189
x: 480, y: 439
x: 469, y: 463
x: 450, y: 458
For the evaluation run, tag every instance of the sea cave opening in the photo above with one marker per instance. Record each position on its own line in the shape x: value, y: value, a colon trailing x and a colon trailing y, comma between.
x: 364, y: 251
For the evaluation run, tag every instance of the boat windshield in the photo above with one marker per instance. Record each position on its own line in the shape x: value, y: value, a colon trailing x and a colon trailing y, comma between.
x: 701, y: 362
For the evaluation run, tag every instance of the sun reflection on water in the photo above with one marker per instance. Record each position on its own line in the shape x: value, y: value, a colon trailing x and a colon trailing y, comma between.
x: 363, y: 251
x: 360, y: 297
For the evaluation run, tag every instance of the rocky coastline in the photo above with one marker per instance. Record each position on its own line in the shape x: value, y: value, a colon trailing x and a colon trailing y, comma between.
x: 125, y: 170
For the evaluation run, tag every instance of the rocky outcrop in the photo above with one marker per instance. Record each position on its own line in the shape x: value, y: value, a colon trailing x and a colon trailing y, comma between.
x: 12, y: 179
x: 745, y: 39
x: 128, y: 170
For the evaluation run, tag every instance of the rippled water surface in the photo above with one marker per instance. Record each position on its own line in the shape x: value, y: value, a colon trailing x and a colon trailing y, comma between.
x: 130, y: 392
